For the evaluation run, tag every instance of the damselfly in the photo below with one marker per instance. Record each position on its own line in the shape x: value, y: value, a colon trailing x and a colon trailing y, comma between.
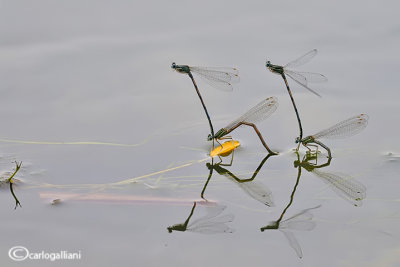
x: 343, y: 129
x: 302, y: 78
x: 301, y: 221
x: 257, y: 114
x: 220, y: 78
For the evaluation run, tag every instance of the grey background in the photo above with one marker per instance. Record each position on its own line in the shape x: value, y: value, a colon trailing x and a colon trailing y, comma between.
x: 99, y: 71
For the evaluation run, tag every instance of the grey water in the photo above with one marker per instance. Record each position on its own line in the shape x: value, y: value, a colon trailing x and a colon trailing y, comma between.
x: 113, y: 142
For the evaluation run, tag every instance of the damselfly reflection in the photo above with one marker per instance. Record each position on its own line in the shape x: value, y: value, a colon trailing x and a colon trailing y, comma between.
x: 343, y: 185
x: 8, y: 178
x: 220, y: 78
x: 343, y: 129
x: 210, y: 223
x: 256, y: 114
x: 299, y: 222
x: 302, y: 78
x: 254, y: 189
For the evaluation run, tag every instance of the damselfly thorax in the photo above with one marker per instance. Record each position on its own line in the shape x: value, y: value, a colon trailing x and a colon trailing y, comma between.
x: 256, y: 114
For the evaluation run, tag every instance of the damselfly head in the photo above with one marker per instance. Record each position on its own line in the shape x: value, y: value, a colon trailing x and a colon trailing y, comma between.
x: 209, y: 137
x: 209, y: 166
x: 297, y: 140
x: 296, y: 163
x: 173, y: 65
x: 268, y: 64
x: 271, y: 226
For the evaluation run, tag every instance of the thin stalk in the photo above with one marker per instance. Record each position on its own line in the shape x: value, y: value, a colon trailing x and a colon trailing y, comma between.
x: 11, y: 182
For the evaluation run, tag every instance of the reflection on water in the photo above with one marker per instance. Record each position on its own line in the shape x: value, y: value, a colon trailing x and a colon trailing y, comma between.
x: 344, y: 185
x: 213, y: 223
x: 299, y: 222
x: 210, y: 223
x: 206, y: 217
x: 392, y: 157
x: 254, y: 189
x: 103, y: 76
x: 7, y: 178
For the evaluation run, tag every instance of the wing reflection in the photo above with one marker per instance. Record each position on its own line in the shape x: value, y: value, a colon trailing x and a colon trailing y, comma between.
x: 300, y: 221
x: 210, y: 223
x: 254, y: 189
x: 342, y: 184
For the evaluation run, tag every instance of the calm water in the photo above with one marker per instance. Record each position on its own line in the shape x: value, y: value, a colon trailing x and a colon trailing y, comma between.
x: 99, y: 73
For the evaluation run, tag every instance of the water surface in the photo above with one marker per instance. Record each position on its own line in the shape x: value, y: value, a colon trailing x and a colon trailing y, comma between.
x: 99, y: 72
